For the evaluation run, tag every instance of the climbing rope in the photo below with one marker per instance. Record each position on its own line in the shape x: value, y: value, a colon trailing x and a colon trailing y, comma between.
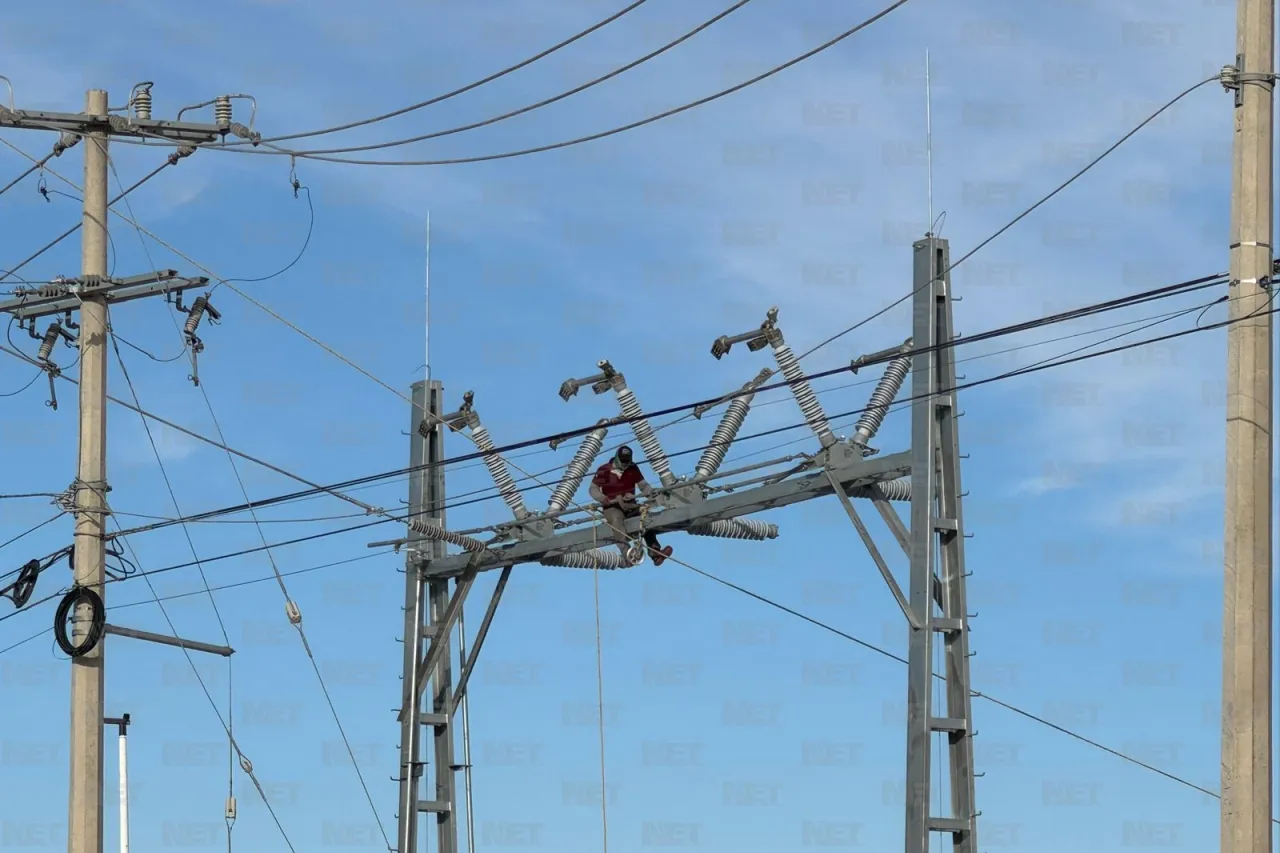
x: 604, y: 793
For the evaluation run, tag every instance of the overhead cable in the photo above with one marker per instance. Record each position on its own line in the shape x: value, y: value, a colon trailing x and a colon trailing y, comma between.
x: 276, y: 150
x: 1024, y: 214
x: 459, y: 91
x: 376, y: 146
x: 1154, y: 294
x: 959, y: 387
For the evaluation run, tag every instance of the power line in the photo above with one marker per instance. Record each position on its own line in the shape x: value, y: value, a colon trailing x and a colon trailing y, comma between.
x: 462, y: 89
x: 215, y: 588
x: 959, y: 387
x: 492, y: 491
x: 1024, y: 214
x: 976, y: 693
x: 64, y: 142
x: 275, y: 150
x: 172, y: 160
x: 1074, y: 314
x: 545, y: 102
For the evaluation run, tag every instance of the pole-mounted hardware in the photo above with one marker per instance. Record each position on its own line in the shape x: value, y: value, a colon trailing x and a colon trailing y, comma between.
x: 768, y: 334
x: 467, y: 418
x: 609, y: 378
x: 199, y: 308
x: 48, y: 340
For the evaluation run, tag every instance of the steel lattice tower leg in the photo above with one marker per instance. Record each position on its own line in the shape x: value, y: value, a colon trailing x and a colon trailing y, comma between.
x: 425, y: 606
x: 937, y: 569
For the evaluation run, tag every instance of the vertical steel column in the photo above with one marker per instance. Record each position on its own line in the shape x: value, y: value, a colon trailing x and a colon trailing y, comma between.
x: 414, y: 615
x: 425, y: 604
x: 937, y: 543
x: 443, y: 803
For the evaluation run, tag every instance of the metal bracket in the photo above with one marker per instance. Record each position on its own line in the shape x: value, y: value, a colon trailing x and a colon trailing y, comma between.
x: 870, y: 544
x: 167, y: 640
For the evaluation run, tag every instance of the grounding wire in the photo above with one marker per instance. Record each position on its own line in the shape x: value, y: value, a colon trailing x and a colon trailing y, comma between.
x: 1024, y: 214
x: 376, y: 146
x: 962, y: 386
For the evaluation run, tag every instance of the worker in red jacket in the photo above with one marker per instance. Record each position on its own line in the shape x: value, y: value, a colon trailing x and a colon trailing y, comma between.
x: 614, y: 488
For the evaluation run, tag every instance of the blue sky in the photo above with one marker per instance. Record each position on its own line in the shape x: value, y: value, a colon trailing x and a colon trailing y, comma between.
x: 625, y: 249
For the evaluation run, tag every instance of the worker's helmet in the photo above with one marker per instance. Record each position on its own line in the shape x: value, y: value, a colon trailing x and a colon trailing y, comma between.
x: 624, y: 455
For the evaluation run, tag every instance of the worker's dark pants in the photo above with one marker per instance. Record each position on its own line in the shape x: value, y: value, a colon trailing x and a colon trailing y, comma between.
x: 615, y: 518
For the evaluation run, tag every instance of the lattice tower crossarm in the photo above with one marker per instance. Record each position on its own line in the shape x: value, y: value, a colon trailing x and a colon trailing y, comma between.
x: 855, y: 473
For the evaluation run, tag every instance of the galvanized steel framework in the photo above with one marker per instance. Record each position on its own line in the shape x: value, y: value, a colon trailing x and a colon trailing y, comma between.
x: 927, y: 475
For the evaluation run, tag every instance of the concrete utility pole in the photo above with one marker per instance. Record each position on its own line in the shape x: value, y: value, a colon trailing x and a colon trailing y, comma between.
x: 91, y: 294
x: 1247, y: 568
x: 84, y: 821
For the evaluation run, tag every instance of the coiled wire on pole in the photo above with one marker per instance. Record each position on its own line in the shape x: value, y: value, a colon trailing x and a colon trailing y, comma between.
x: 498, y: 470
x: 886, y: 392
x: 809, y: 405
x: 736, y: 528
x: 644, y: 434
x: 596, y: 558
x: 725, y: 433
x: 576, y: 471
x: 439, y: 534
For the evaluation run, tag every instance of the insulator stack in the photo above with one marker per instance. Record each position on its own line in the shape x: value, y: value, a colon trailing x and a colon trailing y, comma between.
x: 222, y: 111
x: 439, y: 534
x: 195, y: 315
x: 736, y: 528
x: 498, y: 470
x: 46, y: 344
x: 653, y: 452
x: 809, y: 405
x: 142, y: 103
x: 577, y: 469
x: 886, y: 392
x: 724, y: 435
x: 596, y: 558
x: 893, y: 490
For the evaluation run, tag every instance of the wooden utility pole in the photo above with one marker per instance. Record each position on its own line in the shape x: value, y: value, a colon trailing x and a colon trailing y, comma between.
x: 1247, y: 575
x: 84, y: 822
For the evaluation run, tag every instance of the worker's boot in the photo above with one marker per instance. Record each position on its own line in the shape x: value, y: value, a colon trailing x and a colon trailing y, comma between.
x: 660, y: 555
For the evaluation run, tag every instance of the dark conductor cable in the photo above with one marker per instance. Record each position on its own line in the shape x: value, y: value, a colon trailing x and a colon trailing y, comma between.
x: 459, y: 91
x: 974, y: 384
x: 1154, y: 294
x: 546, y: 102
x: 276, y: 150
x: 97, y: 622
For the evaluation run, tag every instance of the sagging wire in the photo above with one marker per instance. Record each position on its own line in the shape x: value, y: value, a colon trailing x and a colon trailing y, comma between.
x: 297, y: 187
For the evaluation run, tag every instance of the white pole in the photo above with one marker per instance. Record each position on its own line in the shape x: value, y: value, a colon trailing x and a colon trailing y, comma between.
x: 124, y: 792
